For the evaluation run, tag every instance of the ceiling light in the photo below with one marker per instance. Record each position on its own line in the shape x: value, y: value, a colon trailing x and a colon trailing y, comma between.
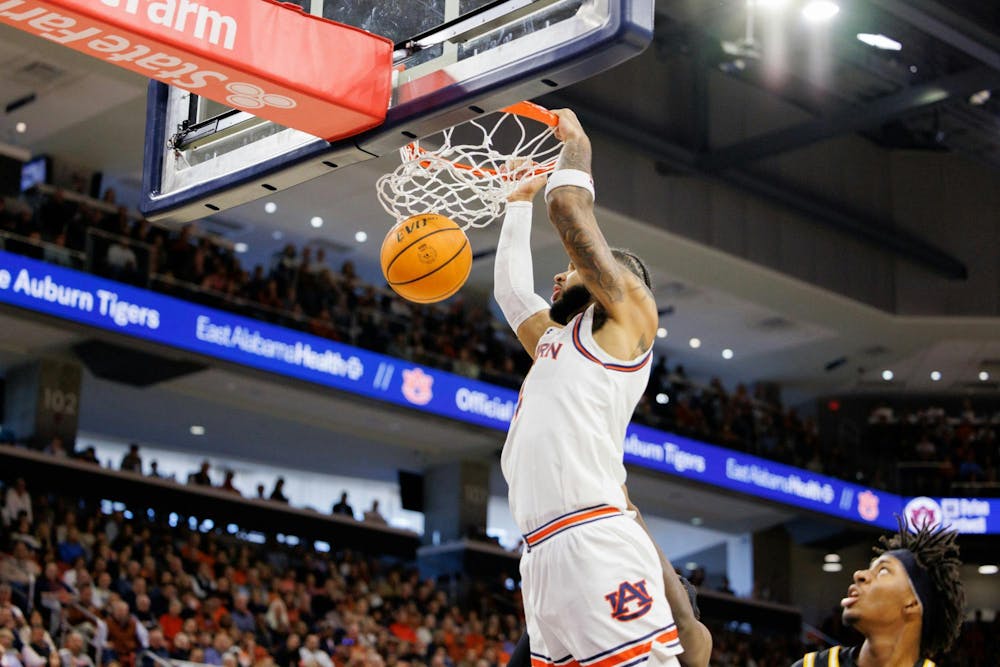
x: 988, y: 569
x: 21, y: 127
x: 768, y: 4
x: 690, y: 566
x: 361, y: 236
x: 316, y: 221
x: 831, y: 558
x: 662, y: 399
x: 880, y: 41
x: 695, y: 343
x: 197, y: 430
x: 277, y: 235
x: 887, y: 375
x: 727, y: 353
x: 983, y: 376
x: 697, y: 521
x: 270, y: 207
x: 241, y: 247
x: 818, y: 11
x: 832, y: 567
x: 913, y: 69
x: 935, y: 376
x: 980, y: 98
x: 661, y: 333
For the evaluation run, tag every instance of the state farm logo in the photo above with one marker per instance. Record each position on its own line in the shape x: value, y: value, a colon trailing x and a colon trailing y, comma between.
x: 868, y: 505
x: 417, y: 386
x: 249, y: 96
x: 922, y: 511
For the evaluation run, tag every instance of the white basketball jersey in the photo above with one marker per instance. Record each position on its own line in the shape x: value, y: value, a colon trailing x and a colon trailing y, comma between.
x: 565, y: 445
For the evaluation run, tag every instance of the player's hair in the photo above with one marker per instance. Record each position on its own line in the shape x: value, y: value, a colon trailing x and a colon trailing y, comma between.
x: 631, y: 261
x: 936, y: 551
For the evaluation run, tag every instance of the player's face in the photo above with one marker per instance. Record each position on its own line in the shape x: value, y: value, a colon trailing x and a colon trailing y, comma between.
x: 879, y: 594
x: 565, y: 280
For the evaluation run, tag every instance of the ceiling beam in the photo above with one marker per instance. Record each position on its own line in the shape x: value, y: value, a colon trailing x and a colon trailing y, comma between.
x: 878, y: 233
x: 855, y: 119
x: 944, y: 24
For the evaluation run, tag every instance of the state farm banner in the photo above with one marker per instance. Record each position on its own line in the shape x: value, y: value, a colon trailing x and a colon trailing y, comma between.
x: 265, y: 57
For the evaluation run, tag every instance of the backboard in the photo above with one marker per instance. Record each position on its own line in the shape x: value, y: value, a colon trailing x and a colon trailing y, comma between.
x: 454, y: 60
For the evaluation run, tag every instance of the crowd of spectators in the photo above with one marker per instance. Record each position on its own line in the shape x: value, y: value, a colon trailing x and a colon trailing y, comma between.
x: 301, y: 289
x: 80, y: 587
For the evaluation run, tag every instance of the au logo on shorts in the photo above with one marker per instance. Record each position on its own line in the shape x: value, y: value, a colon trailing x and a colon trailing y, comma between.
x: 630, y: 601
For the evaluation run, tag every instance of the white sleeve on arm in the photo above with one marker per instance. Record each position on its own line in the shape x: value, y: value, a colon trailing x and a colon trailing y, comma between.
x: 513, y: 277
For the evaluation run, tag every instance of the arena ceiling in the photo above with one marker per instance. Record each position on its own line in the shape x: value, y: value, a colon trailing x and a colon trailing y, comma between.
x: 673, y: 107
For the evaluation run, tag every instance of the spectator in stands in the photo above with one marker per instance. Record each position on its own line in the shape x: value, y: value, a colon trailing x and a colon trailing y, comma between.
x: 227, y: 483
x: 154, y: 469
x: 201, y: 478
x: 278, y: 493
x: 71, y: 548
x: 121, y: 261
x: 56, y: 448
x: 20, y: 568
x: 10, y: 655
x: 311, y: 655
x: 89, y: 455
x: 373, y: 515
x: 342, y: 506
x: 18, y: 500
x: 132, y: 462
x: 243, y: 618
x: 7, y: 604
x: 221, y: 644
x: 73, y: 653
x: 126, y: 636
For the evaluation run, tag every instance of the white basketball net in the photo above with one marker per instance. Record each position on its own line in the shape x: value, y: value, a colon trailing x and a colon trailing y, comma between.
x: 468, y: 183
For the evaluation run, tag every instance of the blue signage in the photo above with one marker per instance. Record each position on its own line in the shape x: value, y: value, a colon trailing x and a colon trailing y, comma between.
x: 119, y: 308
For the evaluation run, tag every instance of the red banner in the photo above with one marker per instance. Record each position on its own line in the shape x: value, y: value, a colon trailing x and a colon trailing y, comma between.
x: 262, y: 56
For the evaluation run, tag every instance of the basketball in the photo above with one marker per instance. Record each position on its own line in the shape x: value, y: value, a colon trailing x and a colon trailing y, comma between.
x: 426, y: 258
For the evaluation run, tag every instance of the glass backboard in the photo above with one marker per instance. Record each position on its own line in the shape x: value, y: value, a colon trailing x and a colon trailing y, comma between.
x: 454, y: 60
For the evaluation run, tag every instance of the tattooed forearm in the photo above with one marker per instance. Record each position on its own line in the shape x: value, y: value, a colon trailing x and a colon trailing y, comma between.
x: 588, y: 250
x: 575, y: 155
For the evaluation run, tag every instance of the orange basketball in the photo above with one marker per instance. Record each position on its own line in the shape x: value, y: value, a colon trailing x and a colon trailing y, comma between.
x: 426, y: 258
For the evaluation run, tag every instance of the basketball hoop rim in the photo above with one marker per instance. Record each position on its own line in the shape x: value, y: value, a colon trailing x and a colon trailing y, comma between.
x: 525, y: 109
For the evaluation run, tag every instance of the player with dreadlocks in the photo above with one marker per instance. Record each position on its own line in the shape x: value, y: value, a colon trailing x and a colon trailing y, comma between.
x: 908, y: 604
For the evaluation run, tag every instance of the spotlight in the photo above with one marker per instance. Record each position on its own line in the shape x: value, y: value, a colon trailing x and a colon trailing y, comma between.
x: 727, y: 353
x: 662, y: 399
x: 277, y: 235
x: 980, y: 98
x: 887, y: 375
x: 316, y: 222
x: 880, y: 41
x: 270, y: 207
x: 831, y: 558
x: 661, y: 333
x: 988, y: 569
x: 197, y: 430
x: 697, y: 521
x: 695, y: 343
x: 818, y: 11
x: 935, y: 376
x: 983, y: 376
x: 361, y: 237
x: 832, y: 567
x: 241, y: 247
x: 21, y: 127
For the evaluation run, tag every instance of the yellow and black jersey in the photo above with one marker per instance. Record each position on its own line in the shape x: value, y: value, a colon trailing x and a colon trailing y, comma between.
x: 839, y: 656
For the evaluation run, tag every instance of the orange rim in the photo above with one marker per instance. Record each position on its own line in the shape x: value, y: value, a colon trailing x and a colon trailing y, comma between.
x: 528, y: 110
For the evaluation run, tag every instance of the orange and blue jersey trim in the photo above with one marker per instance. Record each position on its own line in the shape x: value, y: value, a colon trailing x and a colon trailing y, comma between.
x: 566, y: 521
x: 624, y: 368
x: 627, y: 654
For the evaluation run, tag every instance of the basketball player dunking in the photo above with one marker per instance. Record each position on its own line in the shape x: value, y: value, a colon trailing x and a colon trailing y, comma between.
x: 592, y: 583
x: 908, y: 604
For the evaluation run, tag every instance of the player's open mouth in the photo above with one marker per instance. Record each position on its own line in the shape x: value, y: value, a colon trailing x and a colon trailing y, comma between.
x: 852, y: 596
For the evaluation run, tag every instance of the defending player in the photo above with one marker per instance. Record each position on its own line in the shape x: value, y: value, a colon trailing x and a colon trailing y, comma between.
x: 592, y: 584
x: 908, y: 604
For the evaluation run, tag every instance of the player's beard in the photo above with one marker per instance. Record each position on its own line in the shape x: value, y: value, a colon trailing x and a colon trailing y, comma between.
x: 572, y: 301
